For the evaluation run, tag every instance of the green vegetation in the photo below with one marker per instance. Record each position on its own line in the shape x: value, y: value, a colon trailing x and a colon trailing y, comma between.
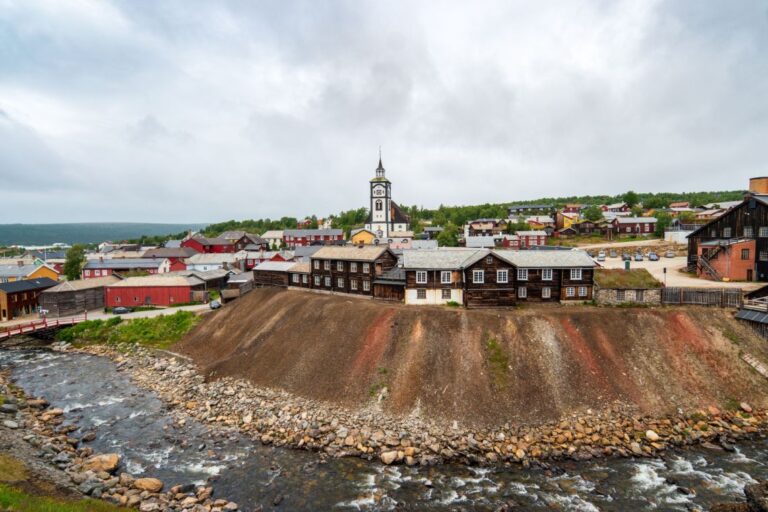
x: 13, y: 500
x: 621, y: 279
x: 593, y: 213
x: 157, y: 332
x: 452, y: 304
x: 498, y: 362
x: 735, y: 338
x: 11, y: 469
x: 73, y: 265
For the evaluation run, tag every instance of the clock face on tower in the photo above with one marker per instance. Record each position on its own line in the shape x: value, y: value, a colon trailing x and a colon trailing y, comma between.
x: 378, y: 191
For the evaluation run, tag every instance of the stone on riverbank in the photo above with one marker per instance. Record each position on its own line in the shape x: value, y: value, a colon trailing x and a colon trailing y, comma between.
x: 107, y: 462
x: 148, y: 484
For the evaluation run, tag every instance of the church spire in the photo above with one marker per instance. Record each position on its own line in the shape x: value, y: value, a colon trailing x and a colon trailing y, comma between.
x: 380, y: 168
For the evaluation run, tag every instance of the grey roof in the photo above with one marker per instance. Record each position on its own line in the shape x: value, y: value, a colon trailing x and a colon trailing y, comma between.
x: 530, y: 206
x: 203, y: 275
x: 636, y: 220
x: 531, y: 233
x: 83, y: 284
x: 172, y: 244
x: 312, y: 232
x: 547, y: 259
x: 479, y: 242
x: 170, y: 252
x: 395, y: 275
x: 424, y: 244
x: 275, y: 266
x: 752, y: 316
x: 445, y: 258
x: 124, y: 263
x: 241, y: 278
x: 17, y: 271
x: 27, y: 285
x: 351, y: 252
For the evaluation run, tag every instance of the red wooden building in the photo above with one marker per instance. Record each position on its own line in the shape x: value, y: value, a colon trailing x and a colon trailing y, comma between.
x: 303, y: 237
x: 212, y: 245
x: 531, y: 238
x: 176, y: 256
x: 151, y: 291
x: 106, y: 267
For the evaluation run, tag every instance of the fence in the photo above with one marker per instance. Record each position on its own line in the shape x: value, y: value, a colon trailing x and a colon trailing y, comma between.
x: 721, y: 297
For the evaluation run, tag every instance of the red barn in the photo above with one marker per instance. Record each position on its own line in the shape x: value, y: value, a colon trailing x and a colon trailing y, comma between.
x: 151, y: 291
x: 209, y: 245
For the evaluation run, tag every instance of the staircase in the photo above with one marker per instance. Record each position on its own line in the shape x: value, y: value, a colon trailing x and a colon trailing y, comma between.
x: 705, y: 267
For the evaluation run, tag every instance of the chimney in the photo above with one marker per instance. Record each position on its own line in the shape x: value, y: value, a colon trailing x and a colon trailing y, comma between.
x: 20, y: 263
x: 101, y: 259
x: 758, y: 185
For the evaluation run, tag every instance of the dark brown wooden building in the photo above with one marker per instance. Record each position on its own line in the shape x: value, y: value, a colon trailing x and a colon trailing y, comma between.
x: 299, y: 275
x: 350, y: 269
x: 75, y: 297
x: 272, y: 273
x: 551, y: 275
x: 20, y: 298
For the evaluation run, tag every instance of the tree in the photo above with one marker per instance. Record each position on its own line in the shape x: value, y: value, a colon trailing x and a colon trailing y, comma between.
x: 631, y: 198
x: 663, y: 219
x: 73, y: 265
x: 687, y: 217
x: 637, y: 211
x: 593, y: 213
x: 449, y: 237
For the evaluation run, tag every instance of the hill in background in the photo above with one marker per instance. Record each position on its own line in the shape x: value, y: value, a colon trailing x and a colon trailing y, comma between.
x: 85, y: 233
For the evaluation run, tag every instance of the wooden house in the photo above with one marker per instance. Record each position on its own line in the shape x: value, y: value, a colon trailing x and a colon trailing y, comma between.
x: 151, y: 291
x: 21, y: 270
x: 548, y: 276
x: 272, y: 273
x: 436, y: 276
x: 299, y: 275
x: 634, y: 225
x: 20, y: 298
x: 488, y: 281
x: 75, y: 297
x: 303, y: 237
x: 518, y: 210
x: 350, y: 269
x: 106, y: 267
x: 362, y: 237
x: 177, y: 257
x: 532, y: 238
x: 615, y: 208
x: 215, y: 245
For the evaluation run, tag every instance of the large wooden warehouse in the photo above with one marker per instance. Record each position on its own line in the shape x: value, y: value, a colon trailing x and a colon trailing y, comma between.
x: 75, y: 297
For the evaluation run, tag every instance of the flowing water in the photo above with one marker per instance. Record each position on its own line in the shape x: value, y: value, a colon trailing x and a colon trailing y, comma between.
x: 136, y: 424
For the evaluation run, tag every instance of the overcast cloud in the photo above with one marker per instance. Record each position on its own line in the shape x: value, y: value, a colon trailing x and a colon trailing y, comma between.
x: 186, y: 110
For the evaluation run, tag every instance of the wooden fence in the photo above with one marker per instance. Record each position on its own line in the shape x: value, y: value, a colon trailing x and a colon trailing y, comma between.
x: 721, y: 297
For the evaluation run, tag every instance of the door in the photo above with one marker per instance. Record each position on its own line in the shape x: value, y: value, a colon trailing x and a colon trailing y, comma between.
x: 750, y: 273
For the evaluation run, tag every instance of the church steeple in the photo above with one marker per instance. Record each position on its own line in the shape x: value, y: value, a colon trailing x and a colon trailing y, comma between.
x: 380, y: 168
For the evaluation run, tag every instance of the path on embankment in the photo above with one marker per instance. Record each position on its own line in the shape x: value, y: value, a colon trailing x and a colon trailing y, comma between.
x: 533, y: 364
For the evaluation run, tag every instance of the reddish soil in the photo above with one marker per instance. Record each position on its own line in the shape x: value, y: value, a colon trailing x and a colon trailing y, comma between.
x: 437, y: 362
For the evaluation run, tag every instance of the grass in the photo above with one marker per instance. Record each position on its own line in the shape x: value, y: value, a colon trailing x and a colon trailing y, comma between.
x: 452, y: 304
x: 498, y: 362
x: 157, y: 332
x: 12, y: 499
x: 11, y: 469
x: 735, y: 338
x: 638, y: 278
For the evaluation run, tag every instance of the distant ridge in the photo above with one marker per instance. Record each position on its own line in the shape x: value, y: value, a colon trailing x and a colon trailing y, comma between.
x: 85, y: 233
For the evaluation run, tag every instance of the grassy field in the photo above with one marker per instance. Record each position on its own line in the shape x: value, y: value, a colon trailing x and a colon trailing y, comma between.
x: 638, y: 278
x: 157, y: 332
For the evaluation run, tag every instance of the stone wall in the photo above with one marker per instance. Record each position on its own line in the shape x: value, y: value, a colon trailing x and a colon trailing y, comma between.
x: 613, y: 296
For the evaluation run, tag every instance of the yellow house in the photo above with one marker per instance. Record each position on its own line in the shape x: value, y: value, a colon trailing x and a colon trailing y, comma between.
x: 23, y: 272
x: 362, y: 237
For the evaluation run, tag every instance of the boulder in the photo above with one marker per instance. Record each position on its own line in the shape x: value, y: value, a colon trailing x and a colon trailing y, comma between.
x: 757, y: 496
x: 106, y: 462
x: 148, y: 484
x: 745, y: 407
x: 651, y: 436
x: 389, y: 457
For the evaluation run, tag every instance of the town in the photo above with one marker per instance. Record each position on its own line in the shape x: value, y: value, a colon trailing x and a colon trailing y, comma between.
x: 496, y: 264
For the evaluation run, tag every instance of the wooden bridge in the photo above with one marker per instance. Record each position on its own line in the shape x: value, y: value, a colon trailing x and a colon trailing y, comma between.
x: 43, y: 324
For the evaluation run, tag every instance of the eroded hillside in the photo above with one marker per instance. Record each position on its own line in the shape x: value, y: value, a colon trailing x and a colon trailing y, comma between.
x: 529, y: 365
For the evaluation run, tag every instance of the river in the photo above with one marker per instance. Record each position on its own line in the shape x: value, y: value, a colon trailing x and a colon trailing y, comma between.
x: 136, y: 424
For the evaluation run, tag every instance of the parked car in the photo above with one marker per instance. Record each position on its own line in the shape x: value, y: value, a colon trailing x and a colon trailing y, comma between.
x: 638, y: 256
x: 120, y: 310
x: 214, y: 304
x: 613, y: 254
x: 652, y: 256
x: 601, y: 256
x: 670, y: 254
x: 625, y: 256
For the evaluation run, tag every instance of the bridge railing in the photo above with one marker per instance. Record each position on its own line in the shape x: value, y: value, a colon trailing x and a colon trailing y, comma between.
x: 40, y: 325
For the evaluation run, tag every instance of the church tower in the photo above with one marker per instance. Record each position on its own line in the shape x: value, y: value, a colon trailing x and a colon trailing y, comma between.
x: 380, y: 217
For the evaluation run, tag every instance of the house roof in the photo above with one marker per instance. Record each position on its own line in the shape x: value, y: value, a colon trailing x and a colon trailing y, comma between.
x: 240, y: 278
x: 547, y: 259
x: 237, y: 235
x: 19, y: 271
x: 620, y: 279
x: 206, y: 241
x: 424, y: 244
x: 303, y: 267
x: 48, y: 255
x: 157, y: 281
x: 273, y: 233
x: 531, y: 233
x: 170, y: 252
x: 478, y: 242
x: 120, y: 263
x: 203, y: 275
x: 445, y: 258
x: 351, y: 252
x: 401, y: 234
x: 541, y: 219
x: 275, y: 266
x: 212, y: 258
x: 636, y: 220
x: 83, y: 284
x: 172, y: 244
x: 312, y: 232
x: 393, y: 276
x: 27, y: 285
x: 530, y: 206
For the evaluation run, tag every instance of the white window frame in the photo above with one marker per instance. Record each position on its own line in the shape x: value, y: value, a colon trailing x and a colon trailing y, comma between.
x: 339, y: 266
x: 317, y: 280
x: 502, y: 276
x: 570, y: 291
x: 582, y: 291
x: 621, y: 295
x: 445, y: 277
x: 327, y: 265
x: 546, y: 274
x: 87, y: 273
x: 366, y: 285
x: 576, y: 274
x: 353, y: 284
x: 421, y: 277
x: 489, y: 259
x: 478, y: 276
x: 522, y: 274
x: 353, y: 266
x: 522, y: 292
x: 727, y: 232
x: 749, y: 232
x: 546, y: 292
x: 295, y: 278
x: 304, y: 278
x: 762, y: 232
x: 327, y: 282
x: 340, y: 282
x: 366, y: 268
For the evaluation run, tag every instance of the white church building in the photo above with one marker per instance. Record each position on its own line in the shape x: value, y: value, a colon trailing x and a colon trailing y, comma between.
x: 384, y: 217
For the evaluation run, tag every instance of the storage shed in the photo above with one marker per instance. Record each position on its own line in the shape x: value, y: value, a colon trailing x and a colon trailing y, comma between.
x: 75, y: 297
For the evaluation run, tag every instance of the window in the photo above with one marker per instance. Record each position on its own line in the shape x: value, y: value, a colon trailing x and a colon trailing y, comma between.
x: 327, y: 282
x: 489, y: 260
x: 97, y: 273
x: 366, y: 268
x: 582, y: 291
x: 445, y: 277
x: 353, y: 266
x: 421, y: 277
x: 353, y: 284
x: 546, y: 274
x: 763, y: 255
x: 727, y: 232
x: 763, y: 232
x: 745, y: 254
x: 305, y: 278
x: 446, y: 294
x: 546, y: 292
x: 87, y: 273
x: 340, y: 266
x: 340, y: 282
x: 421, y: 294
x: 713, y: 233
x: 522, y: 274
x: 522, y: 292
x: 295, y: 278
x: 620, y: 295
x: 117, y: 300
x: 502, y: 276
x: 639, y: 295
x: 478, y: 276
x: 327, y: 264
x: 366, y: 285
x: 317, y: 280
x: 379, y: 205
x: 575, y: 274
x: 570, y: 291
x: 748, y: 232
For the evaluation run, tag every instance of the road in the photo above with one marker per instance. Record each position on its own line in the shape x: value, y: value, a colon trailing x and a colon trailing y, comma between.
x: 99, y: 314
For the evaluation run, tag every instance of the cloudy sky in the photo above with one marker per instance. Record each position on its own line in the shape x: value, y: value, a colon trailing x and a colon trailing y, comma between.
x: 175, y: 111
